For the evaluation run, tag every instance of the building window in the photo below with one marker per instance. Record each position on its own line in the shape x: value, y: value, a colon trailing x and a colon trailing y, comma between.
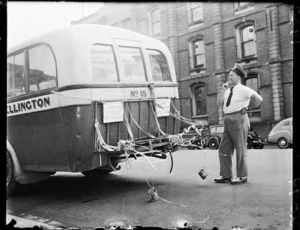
x: 246, y: 41
x: 155, y: 22
x: 126, y: 24
x: 199, y: 95
x: 104, y: 66
x: 15, y: 75
x: 197, y: 54
x: 195, y: 12
x: 242, y: 7
x: 252, y: 81
x: 102, y: 20
x: 42, y: 68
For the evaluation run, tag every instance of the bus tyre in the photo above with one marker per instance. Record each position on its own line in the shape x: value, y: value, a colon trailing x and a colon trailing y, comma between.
x: 213, y: 144
x: 283, y: 143
x: 11, y: 184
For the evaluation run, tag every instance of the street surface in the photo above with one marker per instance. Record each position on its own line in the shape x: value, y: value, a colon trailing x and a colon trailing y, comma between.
x: 121, y: 198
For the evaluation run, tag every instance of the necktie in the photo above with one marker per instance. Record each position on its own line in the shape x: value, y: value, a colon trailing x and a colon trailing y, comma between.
x: 229, y: 98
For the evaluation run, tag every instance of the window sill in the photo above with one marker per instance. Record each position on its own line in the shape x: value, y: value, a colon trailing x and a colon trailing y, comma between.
x: 195, y: 23
x: 200, y: 116
x: 248, y: 60
x: 198, y: 70
x: 244, y: 9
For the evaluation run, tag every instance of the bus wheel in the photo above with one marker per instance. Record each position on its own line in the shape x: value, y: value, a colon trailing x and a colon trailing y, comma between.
x: 11, y: 184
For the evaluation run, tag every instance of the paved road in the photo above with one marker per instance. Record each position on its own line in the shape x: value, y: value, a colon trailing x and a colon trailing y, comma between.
x: 121, y: 198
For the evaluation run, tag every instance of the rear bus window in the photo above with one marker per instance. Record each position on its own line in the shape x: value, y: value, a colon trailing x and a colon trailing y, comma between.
x: 42, y: 68
x: 133, y: 65
x: 159, y: 66
x: 103, y: 64
x: 15, y: 75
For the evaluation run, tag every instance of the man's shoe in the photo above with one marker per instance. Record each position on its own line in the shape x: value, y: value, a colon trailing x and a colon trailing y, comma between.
x: 223, y: 180
x: 239, y: 180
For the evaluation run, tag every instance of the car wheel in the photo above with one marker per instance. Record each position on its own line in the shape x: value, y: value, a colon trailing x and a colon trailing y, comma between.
x: 213, y: 144
x: 249, y: 143
x: 11, y: 184
x: 261, y: 146
x: 283, y: 143
x: 258, y: 145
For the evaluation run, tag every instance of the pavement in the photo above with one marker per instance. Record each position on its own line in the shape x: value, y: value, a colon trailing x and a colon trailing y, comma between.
x: 262, y: 203
x: 18, y: 222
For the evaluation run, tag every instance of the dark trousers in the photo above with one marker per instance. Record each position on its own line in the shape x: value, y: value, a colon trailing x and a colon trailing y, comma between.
x: 236, y: 127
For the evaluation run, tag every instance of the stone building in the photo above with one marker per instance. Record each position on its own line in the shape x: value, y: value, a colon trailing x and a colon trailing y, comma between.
x: 206, y: 39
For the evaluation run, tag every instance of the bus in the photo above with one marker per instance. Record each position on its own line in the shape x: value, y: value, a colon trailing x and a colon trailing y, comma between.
x: 86, y: 98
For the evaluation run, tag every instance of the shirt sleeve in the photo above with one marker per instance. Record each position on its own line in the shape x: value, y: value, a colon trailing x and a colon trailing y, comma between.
x: 248, y: 92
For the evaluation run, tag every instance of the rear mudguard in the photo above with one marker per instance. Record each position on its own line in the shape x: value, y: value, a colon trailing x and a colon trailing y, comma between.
x: 24, y: 177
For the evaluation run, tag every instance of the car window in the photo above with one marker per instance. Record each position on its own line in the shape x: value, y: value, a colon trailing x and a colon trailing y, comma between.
x: 220, y: 129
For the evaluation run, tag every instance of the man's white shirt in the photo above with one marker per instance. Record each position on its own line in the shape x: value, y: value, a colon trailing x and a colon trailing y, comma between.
x: 240, y: 98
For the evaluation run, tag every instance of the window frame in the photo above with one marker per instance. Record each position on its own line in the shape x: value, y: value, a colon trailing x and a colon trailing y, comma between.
x: 149, y: 49
x: 115, y: 59
x: 192, y: 52
x: 247, y: 41
x: 244, y: 81
x: 194, y: 100
x: 143, y: 61
x: 242, y: 8
x: 191, y: 21
x: 24, y: 71
x: 126, y: 22
x: 28, y: 65
x: 239, y: 42
x: 152, y: 22
x: 25, y: 50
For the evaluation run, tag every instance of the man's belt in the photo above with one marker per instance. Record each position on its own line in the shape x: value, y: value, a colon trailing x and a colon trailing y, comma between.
x: 243, y: 111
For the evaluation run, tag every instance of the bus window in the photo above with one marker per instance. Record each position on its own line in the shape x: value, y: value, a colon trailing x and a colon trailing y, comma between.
x: 103, y: 64
x: 159, y: 66
x: 16, y: 76
x: 133, y: 65
x: 42, y: 69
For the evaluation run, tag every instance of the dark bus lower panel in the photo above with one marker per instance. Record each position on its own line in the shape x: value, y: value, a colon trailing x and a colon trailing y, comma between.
x: 63, y: 139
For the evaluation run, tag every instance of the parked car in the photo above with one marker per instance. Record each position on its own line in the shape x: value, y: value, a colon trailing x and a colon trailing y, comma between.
x: 282, y: 134
x: 254, y: 140
x: 215, y: 136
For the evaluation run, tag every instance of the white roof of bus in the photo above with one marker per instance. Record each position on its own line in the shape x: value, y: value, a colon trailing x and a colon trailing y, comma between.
x: 88, y: 30
x: 72, y: 45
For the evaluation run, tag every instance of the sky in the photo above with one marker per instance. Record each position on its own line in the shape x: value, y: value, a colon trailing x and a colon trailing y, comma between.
x: 29, y: 19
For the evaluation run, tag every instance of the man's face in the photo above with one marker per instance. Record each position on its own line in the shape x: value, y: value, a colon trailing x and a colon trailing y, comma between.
x: 233, y: 78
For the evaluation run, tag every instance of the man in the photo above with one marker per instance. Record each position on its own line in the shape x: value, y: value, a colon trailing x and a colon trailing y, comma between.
x: 235, y: 99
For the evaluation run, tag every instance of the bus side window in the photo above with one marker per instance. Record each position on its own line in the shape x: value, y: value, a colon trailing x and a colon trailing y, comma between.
x: 133, y: 64
x: 42, y: 68
x: 103, y: 64
x: 15, y: 75
x: 159, y: 66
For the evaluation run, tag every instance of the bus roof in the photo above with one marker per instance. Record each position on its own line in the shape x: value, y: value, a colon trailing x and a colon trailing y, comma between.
x: 88, y: 30
x: 72, y: 46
